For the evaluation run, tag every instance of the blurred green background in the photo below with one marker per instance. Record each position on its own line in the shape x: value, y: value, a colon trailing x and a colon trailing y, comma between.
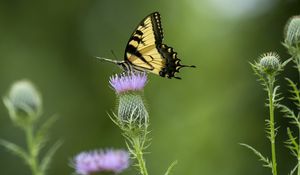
x: 198, y: 121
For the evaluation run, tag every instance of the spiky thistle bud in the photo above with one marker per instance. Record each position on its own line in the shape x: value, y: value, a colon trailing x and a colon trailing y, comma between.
x: 292, y: 32
x: 269, y: 63
x: 23, y: 103
x: 131, y: 108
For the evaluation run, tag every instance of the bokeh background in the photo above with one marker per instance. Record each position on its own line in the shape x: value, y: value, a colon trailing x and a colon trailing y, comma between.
x: 198, y: 121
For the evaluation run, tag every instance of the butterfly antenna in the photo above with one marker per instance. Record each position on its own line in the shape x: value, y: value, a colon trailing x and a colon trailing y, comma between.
x: 113, y: 53
x: 108, y: 60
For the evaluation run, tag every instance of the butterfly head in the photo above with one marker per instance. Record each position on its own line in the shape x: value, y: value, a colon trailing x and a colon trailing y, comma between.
x: 125, y: 66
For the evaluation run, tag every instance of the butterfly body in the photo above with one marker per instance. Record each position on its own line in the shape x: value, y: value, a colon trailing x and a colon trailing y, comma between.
x: 146, y: 52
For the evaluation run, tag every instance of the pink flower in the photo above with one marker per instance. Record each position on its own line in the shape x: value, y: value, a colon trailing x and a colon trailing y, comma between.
x: 131, y: 81
x: 114, y: 161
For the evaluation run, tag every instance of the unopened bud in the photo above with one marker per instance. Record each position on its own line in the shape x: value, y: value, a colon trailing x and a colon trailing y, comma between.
x: 270, y: 63
x: 292, y: 32
x: 23, y: 102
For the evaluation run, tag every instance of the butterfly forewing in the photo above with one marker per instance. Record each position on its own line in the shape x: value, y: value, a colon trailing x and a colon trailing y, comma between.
x: 141, y: 50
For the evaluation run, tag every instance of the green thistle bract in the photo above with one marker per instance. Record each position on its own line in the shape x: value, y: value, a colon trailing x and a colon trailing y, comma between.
x: 132, y: 110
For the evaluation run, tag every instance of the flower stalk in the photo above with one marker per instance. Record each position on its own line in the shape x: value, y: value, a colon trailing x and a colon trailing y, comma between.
x: 272, y: 122
x: 24, y: 106
x: 132, y: 117
x: 292, y: 44
x: 292, y: 40
x: 138, y: 152
x: 33, y: 161
x: 267, y: 69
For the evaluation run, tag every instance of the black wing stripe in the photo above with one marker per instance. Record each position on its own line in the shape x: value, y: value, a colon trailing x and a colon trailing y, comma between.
x: 136, y: 38
x: 157, y: 28
x: 133, y: 50
x: 138, y: 32
x: 143, y: 68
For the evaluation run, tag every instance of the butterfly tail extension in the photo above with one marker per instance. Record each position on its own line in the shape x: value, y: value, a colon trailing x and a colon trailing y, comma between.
x: 182, y: 65
x: 179, y: 78
x: 193, y: 66
x: 179, y: 67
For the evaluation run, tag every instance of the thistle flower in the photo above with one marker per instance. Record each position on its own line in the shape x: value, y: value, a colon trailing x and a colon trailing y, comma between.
x: 23, y: 102
x: 126, y: 82
x: 132, y: 116
x: 114, y: 161
x: 131, y: 109
x: 269, y: 63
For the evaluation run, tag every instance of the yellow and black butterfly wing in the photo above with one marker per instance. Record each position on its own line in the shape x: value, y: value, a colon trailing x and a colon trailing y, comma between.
x: 141, y: 49
x: 145, y: 51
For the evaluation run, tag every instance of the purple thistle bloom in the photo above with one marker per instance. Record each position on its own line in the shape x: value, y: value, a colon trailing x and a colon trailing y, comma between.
x: 132, y: 81
x: 114, y: 161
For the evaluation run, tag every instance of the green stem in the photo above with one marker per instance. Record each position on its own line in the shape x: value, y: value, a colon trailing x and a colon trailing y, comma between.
x: 139, y: 156
x: 272, y: 124
x: 33, y: 162
x: 298, y: 155
x: 298, y: 67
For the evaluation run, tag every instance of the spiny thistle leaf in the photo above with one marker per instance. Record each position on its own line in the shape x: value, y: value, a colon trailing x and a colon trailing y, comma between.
x: 114, y: 118
x: 15, y: 149
x: 265, y: 160
x: 291, y: 143
x: 295, y: 92
x: 261, y: 78
x: 276, y: 96
x: 170, y: 168
x: 293, y: 170
x: 41, y: 134
x: 286, y: 62
x: 270, y: 125
x: 49, y: 155
x: 130, y: 150
x: 288, y: 113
